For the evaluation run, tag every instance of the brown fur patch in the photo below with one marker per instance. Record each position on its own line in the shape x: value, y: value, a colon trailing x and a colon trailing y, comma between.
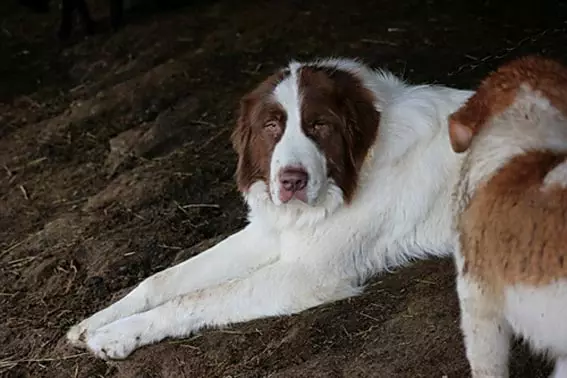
x: 254, y: 146
x: 498, y: 91
x: 513, y: 230
x: 337, y: 114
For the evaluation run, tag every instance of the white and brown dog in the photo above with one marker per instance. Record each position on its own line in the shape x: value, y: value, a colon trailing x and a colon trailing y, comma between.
x: 511, y: 214
x: 346, y: 172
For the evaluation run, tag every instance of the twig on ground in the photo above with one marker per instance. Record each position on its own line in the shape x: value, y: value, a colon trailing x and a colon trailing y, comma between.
x: 182, y: 209
x: 24, y: 192
x: 369, y: 317
x: 212, y: 139
x: 194, y: 205
x: 507, y: 51
x: 164, y: 246
x: 10, y: 363
x: 17, y: 244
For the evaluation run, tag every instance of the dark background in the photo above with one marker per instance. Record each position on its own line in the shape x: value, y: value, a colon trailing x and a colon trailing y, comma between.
x: 105, y: 140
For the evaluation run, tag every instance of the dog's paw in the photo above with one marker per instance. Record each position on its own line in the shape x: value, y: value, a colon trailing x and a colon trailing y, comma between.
x: 114, y: 341
x: 77, y: 335
x: 80, y: 333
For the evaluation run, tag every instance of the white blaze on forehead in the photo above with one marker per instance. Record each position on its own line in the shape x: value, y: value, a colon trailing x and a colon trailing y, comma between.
x: 287, y: 94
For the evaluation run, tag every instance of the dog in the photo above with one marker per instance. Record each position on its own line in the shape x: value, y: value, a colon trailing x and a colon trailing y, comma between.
x: 347, y: 172
x: 511, y: 214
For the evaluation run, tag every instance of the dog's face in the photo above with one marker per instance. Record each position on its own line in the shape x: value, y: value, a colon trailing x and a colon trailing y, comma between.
x: 305, y: 132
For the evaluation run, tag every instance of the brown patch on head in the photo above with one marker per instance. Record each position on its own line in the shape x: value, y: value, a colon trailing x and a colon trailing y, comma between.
x: 514, y: 230
x: 260, y: 124
x: 339, y: 115
x: 498, y: 91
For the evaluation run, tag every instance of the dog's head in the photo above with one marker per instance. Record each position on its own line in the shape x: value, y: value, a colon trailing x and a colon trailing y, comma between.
x: 304, y: 132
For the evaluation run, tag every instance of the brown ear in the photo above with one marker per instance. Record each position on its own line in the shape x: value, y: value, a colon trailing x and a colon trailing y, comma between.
x: 240, y: 139
x: 365, y: 121
x: 362, y: 124
x: 460, y: 135
x: 466, y: 122
x: 241, y: 131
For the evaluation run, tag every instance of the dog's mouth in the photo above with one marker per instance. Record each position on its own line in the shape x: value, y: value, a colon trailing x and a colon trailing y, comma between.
x: 312, y: 195
x: 300, y: 196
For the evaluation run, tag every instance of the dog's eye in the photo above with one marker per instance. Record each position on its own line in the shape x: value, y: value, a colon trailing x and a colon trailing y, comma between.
x: 319, y: 125
x: 271, y: 125
x: 272, y: 128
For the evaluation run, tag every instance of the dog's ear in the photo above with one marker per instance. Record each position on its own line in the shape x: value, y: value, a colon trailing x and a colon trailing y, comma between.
x: 240, y: 138
x: 241, y: 131
x: 460, y: 134
x: 467, y: 121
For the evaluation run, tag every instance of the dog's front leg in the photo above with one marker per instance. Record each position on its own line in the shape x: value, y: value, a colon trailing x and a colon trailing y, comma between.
x: 278, y: 289
x: 236, y: 256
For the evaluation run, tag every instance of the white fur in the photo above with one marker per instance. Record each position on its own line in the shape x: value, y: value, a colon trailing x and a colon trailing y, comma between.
x: 487, y: 333
x: 557, y: 177
x: 291, y: 257
x: 560, y: 370
x: 539, y: 315
x: 535, y: 313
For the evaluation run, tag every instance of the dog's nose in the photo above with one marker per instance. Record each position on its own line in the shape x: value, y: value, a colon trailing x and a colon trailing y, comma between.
x: 293, y: 181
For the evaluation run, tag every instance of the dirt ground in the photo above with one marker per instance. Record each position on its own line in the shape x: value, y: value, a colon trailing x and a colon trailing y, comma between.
x: 115, y: 163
